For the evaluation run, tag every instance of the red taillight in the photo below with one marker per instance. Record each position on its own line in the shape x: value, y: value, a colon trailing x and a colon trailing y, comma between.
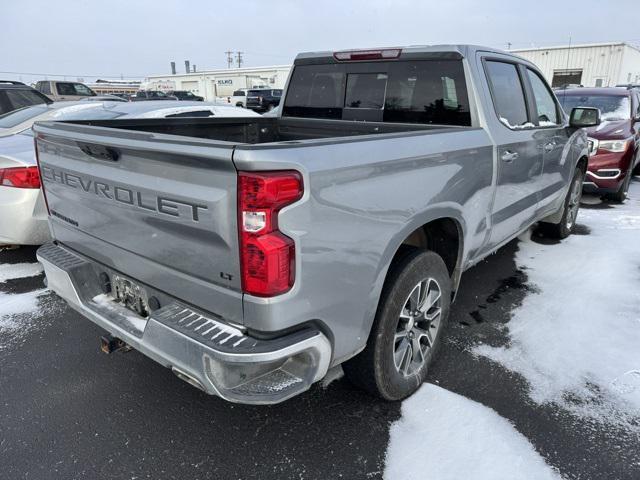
x: 267, y: 256
x: 20, y: 177
x: 360, y: 55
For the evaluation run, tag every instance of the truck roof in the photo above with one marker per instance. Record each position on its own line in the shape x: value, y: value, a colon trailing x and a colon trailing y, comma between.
x: 411, y: 51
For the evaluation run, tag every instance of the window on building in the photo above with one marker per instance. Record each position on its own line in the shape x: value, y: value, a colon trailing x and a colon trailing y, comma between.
x: 566, y: 77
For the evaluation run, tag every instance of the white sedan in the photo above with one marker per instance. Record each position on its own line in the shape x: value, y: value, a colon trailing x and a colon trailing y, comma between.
x: 23, y: 213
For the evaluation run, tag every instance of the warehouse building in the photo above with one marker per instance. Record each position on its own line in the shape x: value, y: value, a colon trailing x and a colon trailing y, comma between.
x: 220, y: 83
x: 592, y: 65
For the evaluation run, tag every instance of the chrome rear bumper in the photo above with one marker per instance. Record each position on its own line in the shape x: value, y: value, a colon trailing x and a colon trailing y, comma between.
x: 212, y: 355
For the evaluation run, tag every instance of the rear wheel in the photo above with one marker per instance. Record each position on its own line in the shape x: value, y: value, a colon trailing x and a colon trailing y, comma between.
x: 408, y: 327
x: 571, y: 207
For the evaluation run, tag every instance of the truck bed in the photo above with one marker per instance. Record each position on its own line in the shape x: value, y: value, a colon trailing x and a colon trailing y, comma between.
x: 258, y: 130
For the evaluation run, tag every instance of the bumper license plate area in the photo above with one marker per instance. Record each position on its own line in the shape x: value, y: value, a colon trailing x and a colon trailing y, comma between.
x: 130, y: 294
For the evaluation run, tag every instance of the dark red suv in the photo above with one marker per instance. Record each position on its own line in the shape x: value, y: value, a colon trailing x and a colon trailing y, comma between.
x: 615, y: 143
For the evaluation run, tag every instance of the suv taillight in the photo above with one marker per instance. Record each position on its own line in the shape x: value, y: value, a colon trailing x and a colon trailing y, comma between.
x: 267, y: 256
x: 20, y: 177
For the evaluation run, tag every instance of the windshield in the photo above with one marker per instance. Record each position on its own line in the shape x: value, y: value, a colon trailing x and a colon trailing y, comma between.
x: 11, y: 119
x: 611, y: 107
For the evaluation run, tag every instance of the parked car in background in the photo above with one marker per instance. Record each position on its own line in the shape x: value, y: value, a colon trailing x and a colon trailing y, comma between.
x: 250, y: 256
x: 23, y: 216
x: 185, y: 95
x: 16, y: 95
x: 239, y: 97
x: 145, y: 95
x: 64, y: 91
x: 615, y: 143
x: 263, y: 100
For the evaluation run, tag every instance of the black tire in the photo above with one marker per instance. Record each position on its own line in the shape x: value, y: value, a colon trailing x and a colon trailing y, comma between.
x: 621, y: 195
x: 374, y: 369
x: 567, y: 224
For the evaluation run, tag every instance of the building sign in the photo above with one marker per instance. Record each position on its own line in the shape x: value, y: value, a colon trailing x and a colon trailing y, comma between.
x: 228, y: 81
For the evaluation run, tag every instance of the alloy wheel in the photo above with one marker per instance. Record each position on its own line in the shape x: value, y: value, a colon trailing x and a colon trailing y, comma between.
x: 574, y: 202
x: 419, y: 324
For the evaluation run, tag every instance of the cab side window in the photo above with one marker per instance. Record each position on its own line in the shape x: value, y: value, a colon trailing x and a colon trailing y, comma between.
x: 44, y: 87
x: 508, y: 94
x: 545, y: 103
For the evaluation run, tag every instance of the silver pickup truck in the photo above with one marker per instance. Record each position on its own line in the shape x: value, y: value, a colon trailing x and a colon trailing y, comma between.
x: 250, y: 255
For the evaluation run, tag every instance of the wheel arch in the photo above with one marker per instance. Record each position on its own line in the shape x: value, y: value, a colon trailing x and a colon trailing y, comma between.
x: 440, y: 230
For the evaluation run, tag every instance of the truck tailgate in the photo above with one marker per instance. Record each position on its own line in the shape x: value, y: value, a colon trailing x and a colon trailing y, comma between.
x: 160, y: 209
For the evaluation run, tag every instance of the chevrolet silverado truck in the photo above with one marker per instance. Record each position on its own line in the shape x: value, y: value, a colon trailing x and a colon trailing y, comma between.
x: 251, y: 255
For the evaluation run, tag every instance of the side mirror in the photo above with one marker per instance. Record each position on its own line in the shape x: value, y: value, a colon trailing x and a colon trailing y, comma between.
x: 583, y: 117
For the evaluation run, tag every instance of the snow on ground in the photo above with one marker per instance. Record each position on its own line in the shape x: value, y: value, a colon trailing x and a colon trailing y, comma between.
x: 10, y: 271
x: 18, y: 311
x: 445, y: 436
x: 577, y: 339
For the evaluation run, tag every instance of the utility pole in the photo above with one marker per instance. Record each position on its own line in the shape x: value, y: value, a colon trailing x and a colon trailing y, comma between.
x: 239, y: 58
x: 508, y: 45
x: 229, y: 58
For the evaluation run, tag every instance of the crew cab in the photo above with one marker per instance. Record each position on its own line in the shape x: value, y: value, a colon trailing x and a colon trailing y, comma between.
x: 64, y: 91
x: 145, y: 95
x: 185, y: 95
x: 263, y: 100
x: 615, y: 143
x: 250, y: 255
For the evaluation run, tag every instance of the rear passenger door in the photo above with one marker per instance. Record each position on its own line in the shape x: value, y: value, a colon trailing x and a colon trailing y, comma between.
x: 519, y: 160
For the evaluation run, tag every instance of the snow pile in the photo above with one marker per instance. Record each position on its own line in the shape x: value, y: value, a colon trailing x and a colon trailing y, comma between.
x: 445, y: 436
x: 19, y: 270
x: 17, y: 304
x: 18, y: 312
x: 577, y: 341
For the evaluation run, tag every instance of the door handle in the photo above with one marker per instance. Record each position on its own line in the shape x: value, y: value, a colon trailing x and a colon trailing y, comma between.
x: 549, y: 146
x: 509, y: 156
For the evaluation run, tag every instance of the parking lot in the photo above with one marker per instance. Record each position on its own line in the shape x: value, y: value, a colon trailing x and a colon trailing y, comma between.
x: 508, y: 395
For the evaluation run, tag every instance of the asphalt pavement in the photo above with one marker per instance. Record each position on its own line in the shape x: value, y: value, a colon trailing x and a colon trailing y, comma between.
x: 68, y: 411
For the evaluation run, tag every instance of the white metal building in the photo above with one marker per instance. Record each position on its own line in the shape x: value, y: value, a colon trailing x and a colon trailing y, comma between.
x: 592, y: 65
x: 220, y: 83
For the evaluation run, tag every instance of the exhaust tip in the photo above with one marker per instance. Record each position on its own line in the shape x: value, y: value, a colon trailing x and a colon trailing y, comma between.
x: 188, y: 378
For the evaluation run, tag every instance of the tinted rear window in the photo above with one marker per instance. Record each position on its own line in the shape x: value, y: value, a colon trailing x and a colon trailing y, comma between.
x: 24, y: 98
x: 426, y: 91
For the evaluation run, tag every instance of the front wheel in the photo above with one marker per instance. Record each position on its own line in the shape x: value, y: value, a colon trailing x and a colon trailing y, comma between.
x: 621, y: 195
x: 407, y: 329
x: 567, y: 223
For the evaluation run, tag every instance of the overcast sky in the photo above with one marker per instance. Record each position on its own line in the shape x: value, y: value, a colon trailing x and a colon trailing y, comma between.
x: 135, y: 38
